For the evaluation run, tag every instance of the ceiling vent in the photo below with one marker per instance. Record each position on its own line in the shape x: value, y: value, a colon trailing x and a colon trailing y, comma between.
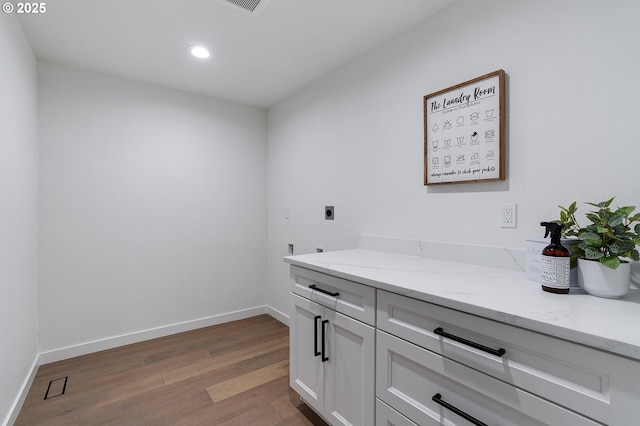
x: 251, y: 7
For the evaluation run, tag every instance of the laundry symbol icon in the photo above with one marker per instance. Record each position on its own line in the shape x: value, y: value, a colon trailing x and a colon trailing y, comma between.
x: 460, y: 158
x: 475, y: 156
x: 475, y: 116
x: 434, y: 144
x: 435, y: 161
x: 435, y: 127
x: 489, y: 134
x: 447, y: 142
x: 474, y: 136
x: 461, y: 140
x: 489, y: 113
x: 460, y: 120
x: 490, y: 154
x: 447, y: 124
x: 447, y: 159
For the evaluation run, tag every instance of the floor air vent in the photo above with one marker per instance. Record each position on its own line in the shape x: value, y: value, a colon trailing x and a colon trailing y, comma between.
x: 56, y: 387
x: 249, y: 5
x: 252, y: 7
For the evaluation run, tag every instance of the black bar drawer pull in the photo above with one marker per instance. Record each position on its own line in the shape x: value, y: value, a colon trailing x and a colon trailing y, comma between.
x: 324, y: 358
x: 437, y: 398
x: 314, y: 287
x: 497, y: 352
x: 316, y: 352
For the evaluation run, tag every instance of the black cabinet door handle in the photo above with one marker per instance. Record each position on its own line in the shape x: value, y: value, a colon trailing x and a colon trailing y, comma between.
x: 324, y: 357
x: 437, y: 398
x: 316, y: 352
x: 497, y: 352
x: 327, y: 292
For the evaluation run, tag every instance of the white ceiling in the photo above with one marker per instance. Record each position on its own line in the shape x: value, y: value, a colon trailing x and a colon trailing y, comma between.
x: 257, y: 59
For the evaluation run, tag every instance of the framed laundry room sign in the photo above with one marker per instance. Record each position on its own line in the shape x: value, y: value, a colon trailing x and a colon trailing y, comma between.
x: 464, y: 136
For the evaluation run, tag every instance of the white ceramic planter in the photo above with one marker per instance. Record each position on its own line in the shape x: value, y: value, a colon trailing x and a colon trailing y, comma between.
x: 598, y: 280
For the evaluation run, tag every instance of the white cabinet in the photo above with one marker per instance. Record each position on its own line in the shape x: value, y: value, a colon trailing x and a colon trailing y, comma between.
x: 361, y: 355
x: 331, y: 354
x: 486, y: 366
x: 430, y: 389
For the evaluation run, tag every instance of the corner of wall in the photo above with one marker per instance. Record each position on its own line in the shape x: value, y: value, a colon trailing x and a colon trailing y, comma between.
x: 14, y: 411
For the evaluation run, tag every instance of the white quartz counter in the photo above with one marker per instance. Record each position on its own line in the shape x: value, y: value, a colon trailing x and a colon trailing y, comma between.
x: 498, y: 294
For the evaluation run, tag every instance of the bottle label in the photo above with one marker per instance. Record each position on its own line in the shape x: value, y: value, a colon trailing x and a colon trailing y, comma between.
x: 555, y: 271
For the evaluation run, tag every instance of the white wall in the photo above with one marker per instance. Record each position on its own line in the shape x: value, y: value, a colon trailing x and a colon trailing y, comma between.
x: 354, y: 139
x: 18, y: 213
x: 152, y: 207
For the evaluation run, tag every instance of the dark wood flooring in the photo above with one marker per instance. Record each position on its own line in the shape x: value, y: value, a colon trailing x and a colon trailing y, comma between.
x: 230, y: 374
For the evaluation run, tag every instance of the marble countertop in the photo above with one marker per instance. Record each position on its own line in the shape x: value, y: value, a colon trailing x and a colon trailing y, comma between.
x: 498, y: 294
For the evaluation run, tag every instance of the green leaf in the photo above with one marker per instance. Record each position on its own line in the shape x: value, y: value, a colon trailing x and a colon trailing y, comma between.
x: 604, y: 215
x: 610, y: 262
x: 573, y: 262
x: 591, y: 239
x: 637, y: 228
x: 619, y: 247
x: 635, y: 255
x: 592, y: 253
x: 573, y: 208
x: 615, y: 220
x: 601, y: 230
x: 591, y: 228
x: 602, y: 204
x: 595, y: 217
x: 625, y: 211
x: 576, y: 253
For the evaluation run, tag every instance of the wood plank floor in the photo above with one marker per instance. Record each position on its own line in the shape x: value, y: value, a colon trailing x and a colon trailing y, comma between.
x: 230, y: 374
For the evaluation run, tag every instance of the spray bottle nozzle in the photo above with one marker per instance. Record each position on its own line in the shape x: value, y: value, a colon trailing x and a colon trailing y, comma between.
x: 552, y: 228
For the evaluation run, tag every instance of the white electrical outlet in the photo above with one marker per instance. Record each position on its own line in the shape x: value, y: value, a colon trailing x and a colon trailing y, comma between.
x: 508, y: 215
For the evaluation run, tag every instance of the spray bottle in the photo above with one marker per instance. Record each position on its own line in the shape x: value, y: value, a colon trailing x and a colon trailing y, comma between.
x: 555, y: 261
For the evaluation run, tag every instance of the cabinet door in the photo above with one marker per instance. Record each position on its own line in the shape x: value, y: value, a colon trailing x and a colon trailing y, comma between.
x: 350, y: 386
x: 306, y: 371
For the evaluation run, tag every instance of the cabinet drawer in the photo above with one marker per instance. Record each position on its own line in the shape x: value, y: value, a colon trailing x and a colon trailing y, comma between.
x: 409, y: 377
x: 387, y: 416
x: 355, y: 300
x: 600, y: 385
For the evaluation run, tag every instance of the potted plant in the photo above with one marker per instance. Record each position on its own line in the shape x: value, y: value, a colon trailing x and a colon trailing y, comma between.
x: 606, y: 245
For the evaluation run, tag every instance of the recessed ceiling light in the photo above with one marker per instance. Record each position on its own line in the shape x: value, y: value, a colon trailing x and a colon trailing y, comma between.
x: 199, y: 52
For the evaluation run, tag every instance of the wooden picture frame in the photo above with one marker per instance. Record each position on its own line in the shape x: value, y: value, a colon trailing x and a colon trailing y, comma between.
x: 464, y: 132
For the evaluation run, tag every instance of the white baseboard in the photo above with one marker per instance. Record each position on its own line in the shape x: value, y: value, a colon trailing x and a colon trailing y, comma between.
x: 278, y: 315
x: 22, y: 395
x: 140, y: 336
